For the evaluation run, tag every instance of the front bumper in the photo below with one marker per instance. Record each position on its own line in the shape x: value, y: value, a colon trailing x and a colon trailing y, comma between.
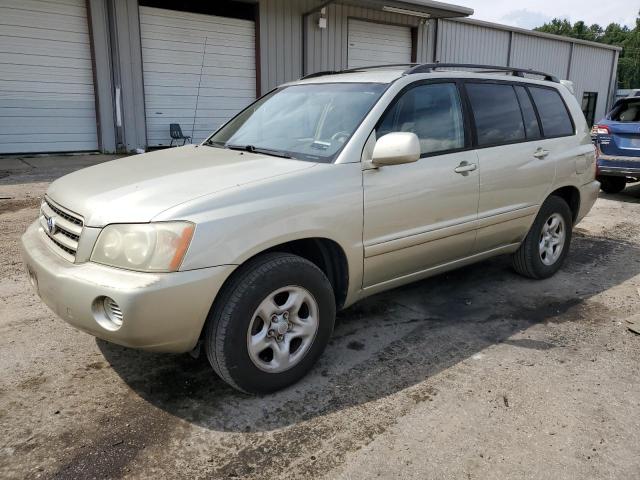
x: 161, y: 311
x: 617, y: 166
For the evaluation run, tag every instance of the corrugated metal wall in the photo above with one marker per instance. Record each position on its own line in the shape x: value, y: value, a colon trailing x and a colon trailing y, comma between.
x: 326, y: 49
x: 551, y: 56
x: 461, y: 42
x: 291, y: 45
x: 282, y: 42
x: 591, y: 72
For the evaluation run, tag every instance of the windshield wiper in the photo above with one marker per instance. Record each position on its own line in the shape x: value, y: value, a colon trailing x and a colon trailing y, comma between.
x: 254, y: 149
x: 214, y: 143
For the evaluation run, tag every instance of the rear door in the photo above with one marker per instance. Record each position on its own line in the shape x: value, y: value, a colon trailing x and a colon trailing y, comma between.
x: 517, y: 165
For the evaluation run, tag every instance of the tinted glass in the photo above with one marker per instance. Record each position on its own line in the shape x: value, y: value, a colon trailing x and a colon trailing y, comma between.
x: 627, y: 111
x: 553, y: 114
x: 433, y: 112
x: 528, y: 114
x: 496, y: 112
x: 307, y: 122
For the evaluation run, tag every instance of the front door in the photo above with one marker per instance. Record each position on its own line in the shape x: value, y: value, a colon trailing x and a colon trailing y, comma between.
x: 421, y: 215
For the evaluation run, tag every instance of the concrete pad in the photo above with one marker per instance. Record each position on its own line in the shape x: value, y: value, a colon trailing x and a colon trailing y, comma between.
x: 11, y: 164
x: 60, y: 161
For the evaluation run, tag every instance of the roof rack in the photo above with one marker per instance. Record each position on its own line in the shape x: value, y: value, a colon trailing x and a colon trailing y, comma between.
x: 516, y: 72
x: 358, y: 69
x: 431, y: 67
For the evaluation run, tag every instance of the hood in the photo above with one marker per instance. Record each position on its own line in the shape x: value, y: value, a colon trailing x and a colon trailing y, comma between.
x: 138, y: 188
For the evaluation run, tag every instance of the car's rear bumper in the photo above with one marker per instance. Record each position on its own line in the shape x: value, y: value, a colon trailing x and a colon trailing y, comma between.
x: 588, y: 196
x: 619, y: 166
x: 161, y: 311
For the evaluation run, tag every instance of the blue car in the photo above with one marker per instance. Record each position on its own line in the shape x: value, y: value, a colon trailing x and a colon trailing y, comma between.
x: 617, y: 138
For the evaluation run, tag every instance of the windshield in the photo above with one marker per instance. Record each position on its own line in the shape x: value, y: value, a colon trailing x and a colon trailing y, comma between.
x: 307, y: 122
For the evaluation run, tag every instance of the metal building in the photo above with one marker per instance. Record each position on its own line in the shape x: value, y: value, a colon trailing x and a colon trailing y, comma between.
x: 111, y: 75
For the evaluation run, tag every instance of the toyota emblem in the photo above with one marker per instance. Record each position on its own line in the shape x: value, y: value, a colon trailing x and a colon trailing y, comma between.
x: 51, y: 225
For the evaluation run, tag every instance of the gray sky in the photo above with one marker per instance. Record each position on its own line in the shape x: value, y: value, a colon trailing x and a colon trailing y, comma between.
x: 533, y: 13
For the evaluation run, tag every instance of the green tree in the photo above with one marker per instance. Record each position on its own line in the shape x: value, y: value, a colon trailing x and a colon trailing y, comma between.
x: 629, y: 62
x: 613, y: 34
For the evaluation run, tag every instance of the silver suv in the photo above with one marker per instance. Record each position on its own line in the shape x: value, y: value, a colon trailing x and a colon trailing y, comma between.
x: 324, y: 191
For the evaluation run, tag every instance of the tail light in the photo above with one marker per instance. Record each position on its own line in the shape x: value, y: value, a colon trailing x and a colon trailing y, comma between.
x: 600, y: 130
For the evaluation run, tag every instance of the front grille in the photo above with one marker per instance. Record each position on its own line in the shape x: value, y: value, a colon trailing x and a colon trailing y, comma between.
x: 62, y: 228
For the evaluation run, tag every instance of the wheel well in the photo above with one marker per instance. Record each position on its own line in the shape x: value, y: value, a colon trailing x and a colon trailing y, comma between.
x: 571, y: 195
x: 328, y: 256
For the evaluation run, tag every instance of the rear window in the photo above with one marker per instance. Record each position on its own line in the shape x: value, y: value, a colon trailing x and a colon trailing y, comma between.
x: 496, y: 113
x: 553, y: 112
x: 627, y: 112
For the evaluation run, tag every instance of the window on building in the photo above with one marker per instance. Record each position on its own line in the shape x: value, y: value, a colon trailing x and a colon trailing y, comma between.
x: 589, y: 101
x: 433, y: 112
x: 528, y: 114
x: 496, y: 113
x: 553, y: 112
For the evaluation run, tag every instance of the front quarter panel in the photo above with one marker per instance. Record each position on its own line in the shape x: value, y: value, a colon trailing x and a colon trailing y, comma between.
x: 324, y: 201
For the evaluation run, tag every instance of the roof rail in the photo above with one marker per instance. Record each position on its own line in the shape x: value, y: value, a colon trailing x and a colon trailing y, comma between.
x: 358, y: 69
x: 319, y: 74
x: 431, y: 67
x: 371, y: 67
x: 516, y: 72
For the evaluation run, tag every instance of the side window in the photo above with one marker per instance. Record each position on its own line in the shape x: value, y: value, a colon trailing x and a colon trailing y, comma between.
x: 528, y: 114
x: 433, y: 112
x: 553, y: 113
x: 496, y: 113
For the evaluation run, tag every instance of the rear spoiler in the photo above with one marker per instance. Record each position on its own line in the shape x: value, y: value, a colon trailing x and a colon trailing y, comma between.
x: 569, y: 85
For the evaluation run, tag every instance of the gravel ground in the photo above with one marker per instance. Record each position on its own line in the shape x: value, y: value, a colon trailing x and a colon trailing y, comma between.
x: 474, y: 374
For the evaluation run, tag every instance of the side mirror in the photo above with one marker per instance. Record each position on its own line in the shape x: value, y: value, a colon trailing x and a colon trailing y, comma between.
x: 396, y: 148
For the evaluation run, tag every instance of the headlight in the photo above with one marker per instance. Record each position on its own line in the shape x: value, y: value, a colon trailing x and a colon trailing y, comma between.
x: 148, y: 247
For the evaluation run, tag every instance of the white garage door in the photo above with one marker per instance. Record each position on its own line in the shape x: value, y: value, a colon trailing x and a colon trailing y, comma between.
x: 377, y: 44
x: 199, y: 71
x: 46, y: 78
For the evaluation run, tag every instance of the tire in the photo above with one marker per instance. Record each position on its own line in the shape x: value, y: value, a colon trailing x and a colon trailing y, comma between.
x: 269, y: 283
x: 529, y: 260
x: 612, y: 184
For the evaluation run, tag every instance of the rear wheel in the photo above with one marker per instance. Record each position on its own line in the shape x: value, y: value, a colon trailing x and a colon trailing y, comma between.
x: 612, y: 184
x: 543, y: 251
x: 271, y: 322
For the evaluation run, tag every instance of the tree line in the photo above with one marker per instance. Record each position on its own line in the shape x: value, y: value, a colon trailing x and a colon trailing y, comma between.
x: 612, y: 34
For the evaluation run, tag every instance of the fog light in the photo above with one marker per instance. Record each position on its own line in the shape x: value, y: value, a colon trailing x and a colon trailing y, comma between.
x: 107, y: 313
x: 112, y: 310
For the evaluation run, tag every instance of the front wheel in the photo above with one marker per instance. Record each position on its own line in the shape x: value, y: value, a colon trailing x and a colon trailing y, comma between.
x: 543, y: 251
x: 270, y: 324
x: 612, y: 184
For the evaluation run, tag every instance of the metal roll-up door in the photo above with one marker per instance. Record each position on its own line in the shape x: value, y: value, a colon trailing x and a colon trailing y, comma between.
x: 199, y: 71
x: 377, y: 44
x: 47, y: 101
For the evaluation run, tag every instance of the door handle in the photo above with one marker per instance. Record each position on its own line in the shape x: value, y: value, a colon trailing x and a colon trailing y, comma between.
x: 464, y: 168
x: 541, y: 153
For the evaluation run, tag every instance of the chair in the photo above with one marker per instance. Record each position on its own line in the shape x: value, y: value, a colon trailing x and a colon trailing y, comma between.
x: 176, y: 134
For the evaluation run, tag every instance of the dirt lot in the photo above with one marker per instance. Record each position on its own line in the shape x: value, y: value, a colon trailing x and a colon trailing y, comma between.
x: 474, y: 374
